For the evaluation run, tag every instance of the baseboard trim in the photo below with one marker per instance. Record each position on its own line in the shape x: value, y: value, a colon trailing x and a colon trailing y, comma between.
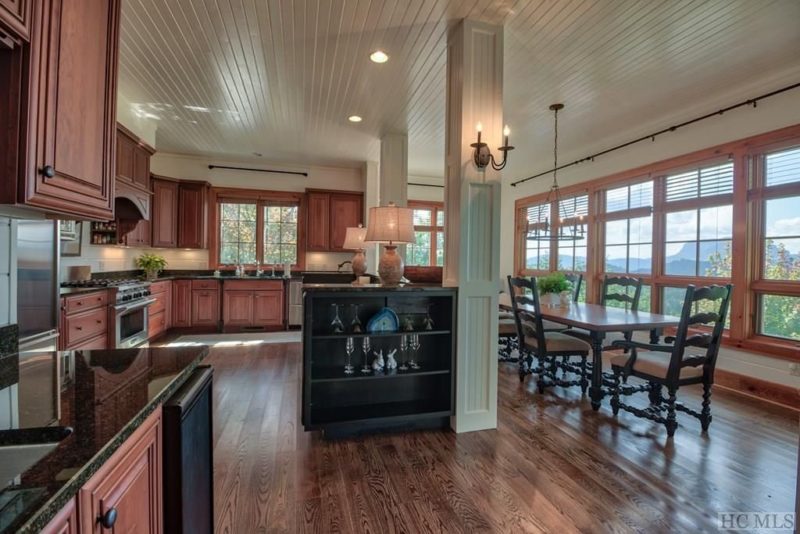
x: 785, y: 396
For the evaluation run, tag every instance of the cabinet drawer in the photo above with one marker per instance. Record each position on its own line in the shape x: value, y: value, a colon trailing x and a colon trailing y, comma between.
x: 254, y: 285
x: 85, y: 301
x: 156, y: 324
x: 86, y: 325
x: 158, y: 306
x: 96, y: 343
x: 205, y: 284
x: 160, y: 287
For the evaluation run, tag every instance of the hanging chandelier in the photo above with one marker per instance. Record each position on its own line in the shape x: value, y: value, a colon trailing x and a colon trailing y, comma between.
x: 568, y: 228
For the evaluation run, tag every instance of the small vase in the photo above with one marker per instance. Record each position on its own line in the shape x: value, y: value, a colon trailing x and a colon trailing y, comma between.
x: 550, y: 300
x: 151, y: 274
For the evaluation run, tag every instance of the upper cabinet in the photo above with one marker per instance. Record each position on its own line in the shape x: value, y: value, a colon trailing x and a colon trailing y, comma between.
x: 192, y: 214
x: 329, y: 215
x: 15, y: 15
x: 60, y: 108
x: 133, y: 158
x: 165, y: 213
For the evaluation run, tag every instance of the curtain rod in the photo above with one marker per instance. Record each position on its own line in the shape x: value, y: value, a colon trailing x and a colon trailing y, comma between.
x: 256, y: 170
x: 425, y: 185
x: 749, y: 102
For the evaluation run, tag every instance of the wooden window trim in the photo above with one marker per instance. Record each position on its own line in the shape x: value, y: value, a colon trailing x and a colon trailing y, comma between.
x: 435, y: 208
x: 748, y: 229
x: 260, y: 197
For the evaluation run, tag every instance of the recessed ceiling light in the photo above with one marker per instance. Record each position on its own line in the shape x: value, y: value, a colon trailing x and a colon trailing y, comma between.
x: 354, y: 118
x: 379, y: 56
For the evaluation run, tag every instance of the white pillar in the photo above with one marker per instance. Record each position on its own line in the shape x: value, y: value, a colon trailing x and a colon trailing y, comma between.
x: 472, y: 210
x: 372, y: 186
x: 394, y: 169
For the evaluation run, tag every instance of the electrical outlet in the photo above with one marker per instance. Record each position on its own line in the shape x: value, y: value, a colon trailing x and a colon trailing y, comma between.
x: 794, y: 369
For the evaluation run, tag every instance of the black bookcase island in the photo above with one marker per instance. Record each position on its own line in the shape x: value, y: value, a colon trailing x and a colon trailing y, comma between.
x: 377, y: 358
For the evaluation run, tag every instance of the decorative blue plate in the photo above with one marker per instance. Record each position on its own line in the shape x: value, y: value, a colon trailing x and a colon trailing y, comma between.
x: 384, y: 321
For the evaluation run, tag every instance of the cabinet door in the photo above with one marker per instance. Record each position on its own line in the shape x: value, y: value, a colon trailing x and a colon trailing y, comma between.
x: 205, y: 307
x: 141, y: 167
x: 182, y: 303
x: 346, y: 210
x: 129, y: 484
x: 317, y: 233
x: 165, y: 213
x: 268, y: 308
x: 191, y: 215
x: 139, y: 236
x: 65, y: 521
x: 71, y: 120
x: 126, y: 148
x: 237, y: 308
x: 15, y: 14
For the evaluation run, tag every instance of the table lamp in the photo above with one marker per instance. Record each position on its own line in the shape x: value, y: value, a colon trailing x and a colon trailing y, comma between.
x: 354, y: 240
x: 392, y: 225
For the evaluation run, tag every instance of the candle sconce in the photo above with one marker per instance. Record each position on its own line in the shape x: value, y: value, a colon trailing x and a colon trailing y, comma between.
x: 482, y: 155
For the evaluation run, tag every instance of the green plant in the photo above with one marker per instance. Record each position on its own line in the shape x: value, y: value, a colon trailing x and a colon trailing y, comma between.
x: 151, y: 262
x: 553, y: 283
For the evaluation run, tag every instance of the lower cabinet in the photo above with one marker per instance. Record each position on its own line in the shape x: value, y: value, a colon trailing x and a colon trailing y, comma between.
x: 159, y: 314
x: 84, y: 321
x: 252, y: 305
x: 268, y: 308
x: 205, y: 303
x: 124, y: 496
x: 65, y: 521
x: 182, y: 303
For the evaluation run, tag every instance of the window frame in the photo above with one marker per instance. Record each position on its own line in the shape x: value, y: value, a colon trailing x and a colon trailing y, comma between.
x: 748, y: 228
x: 261, y: 198
x: 436, y: 208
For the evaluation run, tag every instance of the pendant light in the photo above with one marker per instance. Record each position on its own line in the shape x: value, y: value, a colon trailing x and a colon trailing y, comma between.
x: 543, y: 231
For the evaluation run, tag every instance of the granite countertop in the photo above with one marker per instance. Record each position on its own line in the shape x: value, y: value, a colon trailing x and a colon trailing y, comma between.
x: 77, y: 290
x: 102, y: 395
x: 223, y: 277
x: 324, y: 288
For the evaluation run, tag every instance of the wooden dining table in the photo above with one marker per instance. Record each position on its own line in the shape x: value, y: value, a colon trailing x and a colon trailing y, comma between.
x: 598, y: 321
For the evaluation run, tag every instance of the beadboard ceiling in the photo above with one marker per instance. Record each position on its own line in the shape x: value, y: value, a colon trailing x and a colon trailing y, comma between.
x: 232, y: 78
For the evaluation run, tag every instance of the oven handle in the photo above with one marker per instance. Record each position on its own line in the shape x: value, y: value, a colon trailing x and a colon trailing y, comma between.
x: 121, y: 308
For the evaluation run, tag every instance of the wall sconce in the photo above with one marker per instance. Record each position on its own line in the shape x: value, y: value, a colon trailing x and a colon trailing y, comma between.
x: 482, y: 156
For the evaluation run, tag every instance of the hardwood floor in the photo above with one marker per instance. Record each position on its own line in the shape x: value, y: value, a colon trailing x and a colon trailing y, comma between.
x: 552, y: 465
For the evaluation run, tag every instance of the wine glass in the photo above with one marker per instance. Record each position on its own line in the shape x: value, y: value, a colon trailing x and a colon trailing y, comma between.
x: 414, y: 348
x: 336, y: 325
x: 403, y: 353
x: 349, y: 347
x: 355, y: 325
x: 365, y: 349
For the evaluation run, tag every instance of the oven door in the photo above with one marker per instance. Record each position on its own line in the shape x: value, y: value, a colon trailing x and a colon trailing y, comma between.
x: 131, y: 324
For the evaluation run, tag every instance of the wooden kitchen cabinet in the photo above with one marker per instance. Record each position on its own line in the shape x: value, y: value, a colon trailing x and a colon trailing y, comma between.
x: 133, y: 158
x: 252, y: 305
x: 84, y: 322
x: 237, y: 308
x: 16, y: 16
x: 138, y: 236
x: 192, y: 210
x: 329, y: 215
x: 205, y: 307
x: 164, y: 214
x: 65, y: 127
x: 182, y: 303
x: 65, y: 521
x: 129, y: 485
x: 159, y: 314
x: 268, y: 308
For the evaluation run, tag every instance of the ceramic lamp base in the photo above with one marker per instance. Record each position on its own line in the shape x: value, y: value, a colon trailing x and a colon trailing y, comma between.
x: 359, y: 263
x: 390, y: 267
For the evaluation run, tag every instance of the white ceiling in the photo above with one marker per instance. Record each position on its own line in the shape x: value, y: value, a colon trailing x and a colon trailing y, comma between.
x: 229, y: 78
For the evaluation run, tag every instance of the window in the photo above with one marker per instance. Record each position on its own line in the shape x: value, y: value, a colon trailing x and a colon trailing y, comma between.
x: 428, y: 248
x: 572, y: 253
x: 628, y: 236
x: 537, y: 252
x: 257, y: 227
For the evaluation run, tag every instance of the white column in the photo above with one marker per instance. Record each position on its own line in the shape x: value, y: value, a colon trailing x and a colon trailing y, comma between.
x: 372, y: 186
x: 472, y: 210
x: 394, y: 169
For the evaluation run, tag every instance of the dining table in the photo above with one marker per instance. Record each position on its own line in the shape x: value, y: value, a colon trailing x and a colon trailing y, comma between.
x: 599, y: 321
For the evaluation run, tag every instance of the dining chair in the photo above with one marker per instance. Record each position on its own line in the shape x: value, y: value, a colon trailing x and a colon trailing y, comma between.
x: 506, y: 332
x: 546, y: 346
x: 690, y: 359
x: 624, y: 289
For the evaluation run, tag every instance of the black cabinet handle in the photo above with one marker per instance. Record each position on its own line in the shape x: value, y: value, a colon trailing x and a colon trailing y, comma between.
x: 48, y: 171
x: 108, y: 519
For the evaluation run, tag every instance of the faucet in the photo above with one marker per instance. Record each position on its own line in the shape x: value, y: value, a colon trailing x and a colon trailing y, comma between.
x: 339, y: 268
x: 259, y: 271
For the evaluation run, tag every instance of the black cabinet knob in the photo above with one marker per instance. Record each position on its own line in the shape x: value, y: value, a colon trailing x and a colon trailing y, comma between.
x: 48, y: 171
x: 108, y: 519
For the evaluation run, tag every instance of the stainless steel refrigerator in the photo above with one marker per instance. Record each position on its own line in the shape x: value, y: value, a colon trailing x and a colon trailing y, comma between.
x: 37, y: 285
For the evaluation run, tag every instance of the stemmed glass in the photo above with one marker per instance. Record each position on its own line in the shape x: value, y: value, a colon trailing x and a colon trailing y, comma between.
x: 355, y: 325
x: 403, y: 353
x: 336, y: 325
x: 349, y: 347
x: 365, y: 349
x: 414, y: 348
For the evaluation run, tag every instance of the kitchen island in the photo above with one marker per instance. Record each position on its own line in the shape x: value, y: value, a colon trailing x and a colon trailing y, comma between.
x: 87, y: 428
x: 353, y: 393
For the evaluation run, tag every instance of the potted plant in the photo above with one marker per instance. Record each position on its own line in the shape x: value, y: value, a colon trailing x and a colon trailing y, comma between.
x: 151, y: 264
x: 554, y: 290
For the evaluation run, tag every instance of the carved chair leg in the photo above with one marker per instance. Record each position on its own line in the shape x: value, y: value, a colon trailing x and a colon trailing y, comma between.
x: 672, y: 421
x: 584, y: 379
x: 615, y: 392
x: 540, y: 378
x: 705, y: 414
x: 655, y: 394
x: 523, y: 368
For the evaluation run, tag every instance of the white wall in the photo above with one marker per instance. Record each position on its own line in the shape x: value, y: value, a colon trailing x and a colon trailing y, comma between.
x: 777, y: 112
x: 432, y: 194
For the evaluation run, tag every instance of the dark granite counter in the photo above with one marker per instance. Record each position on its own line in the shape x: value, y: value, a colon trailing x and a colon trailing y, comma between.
x: 77, y: 290
x: 326, y: 288
x: 102, y: 396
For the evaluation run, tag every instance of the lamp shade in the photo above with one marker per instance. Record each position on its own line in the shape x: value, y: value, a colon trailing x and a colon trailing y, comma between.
x: 354, y: 238
x: 390, y: 224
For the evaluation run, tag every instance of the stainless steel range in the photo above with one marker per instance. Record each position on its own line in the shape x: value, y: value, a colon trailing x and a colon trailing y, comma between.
x: 131, y: 299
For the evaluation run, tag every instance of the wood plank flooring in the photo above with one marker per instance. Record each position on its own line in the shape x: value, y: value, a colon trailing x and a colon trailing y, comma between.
x: 552, y: 465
